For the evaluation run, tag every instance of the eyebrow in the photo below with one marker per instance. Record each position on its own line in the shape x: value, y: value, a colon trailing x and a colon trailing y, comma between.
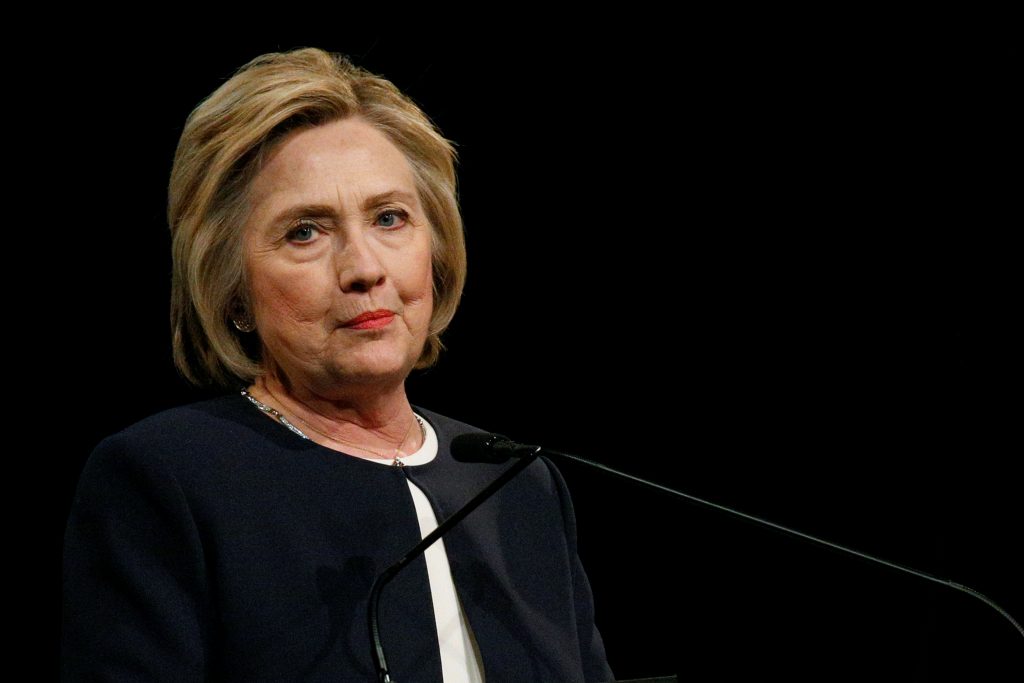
x: 322, y: 210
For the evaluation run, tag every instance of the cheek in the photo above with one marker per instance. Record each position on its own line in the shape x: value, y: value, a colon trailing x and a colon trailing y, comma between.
x: 416, y: 290
x: 421, y: 281
x: 283, y: 295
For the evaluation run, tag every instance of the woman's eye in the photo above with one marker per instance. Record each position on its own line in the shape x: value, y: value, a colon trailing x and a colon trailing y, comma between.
x: 393, y: 218
x: 304, y: 232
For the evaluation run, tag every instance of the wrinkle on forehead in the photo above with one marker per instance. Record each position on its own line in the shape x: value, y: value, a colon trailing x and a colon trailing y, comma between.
x: 302, y: 168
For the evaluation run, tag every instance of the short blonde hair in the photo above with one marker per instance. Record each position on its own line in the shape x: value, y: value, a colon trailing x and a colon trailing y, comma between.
x: 226, y: 141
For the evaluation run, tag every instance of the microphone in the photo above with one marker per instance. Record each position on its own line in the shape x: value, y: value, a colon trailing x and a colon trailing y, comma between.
x: 489, y: 448
x: 495, y: 448
x: 481, y: 443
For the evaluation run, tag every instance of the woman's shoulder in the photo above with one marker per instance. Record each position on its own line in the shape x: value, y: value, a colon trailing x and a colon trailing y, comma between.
x: 180, y: 433
x: 188, y: 420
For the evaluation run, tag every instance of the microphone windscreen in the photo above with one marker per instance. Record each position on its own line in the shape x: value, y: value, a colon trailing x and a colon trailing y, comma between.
x: 479, y: 447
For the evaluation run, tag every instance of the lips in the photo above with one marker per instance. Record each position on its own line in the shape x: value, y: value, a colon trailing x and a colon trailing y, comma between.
x: 370, y: 319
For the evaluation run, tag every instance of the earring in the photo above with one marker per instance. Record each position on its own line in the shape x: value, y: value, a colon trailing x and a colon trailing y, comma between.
x: 243, y: 322
x: 244, y: 325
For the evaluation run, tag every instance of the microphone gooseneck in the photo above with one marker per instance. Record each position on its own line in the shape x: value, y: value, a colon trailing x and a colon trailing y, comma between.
x: 496, y: 448
x: 373, y: 611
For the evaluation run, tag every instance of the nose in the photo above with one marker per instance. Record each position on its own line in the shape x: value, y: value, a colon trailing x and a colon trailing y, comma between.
x: 359, y: 267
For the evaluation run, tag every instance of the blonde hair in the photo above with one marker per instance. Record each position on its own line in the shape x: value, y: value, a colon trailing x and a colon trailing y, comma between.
x: 226, y: 140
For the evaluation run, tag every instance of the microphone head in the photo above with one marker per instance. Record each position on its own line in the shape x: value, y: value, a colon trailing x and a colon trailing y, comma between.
x: 481, y: 447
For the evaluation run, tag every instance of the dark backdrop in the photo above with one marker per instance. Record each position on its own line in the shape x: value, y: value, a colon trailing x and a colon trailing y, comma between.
x: 773, y: 273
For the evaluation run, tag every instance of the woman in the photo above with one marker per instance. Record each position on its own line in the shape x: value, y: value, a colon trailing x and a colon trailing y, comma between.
x: 318, y: 255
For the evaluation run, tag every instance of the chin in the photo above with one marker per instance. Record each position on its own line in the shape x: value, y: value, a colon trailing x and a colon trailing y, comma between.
x: 376, y: 371
x: 383, y: 361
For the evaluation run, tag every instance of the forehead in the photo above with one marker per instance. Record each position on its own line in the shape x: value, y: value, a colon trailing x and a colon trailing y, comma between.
x: 342, y: 159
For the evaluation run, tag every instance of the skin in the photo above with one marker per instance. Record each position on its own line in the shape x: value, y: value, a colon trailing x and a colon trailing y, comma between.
x: 315, y: 270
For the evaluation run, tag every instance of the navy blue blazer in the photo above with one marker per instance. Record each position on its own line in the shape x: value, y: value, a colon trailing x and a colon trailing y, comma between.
x: 207, y: 542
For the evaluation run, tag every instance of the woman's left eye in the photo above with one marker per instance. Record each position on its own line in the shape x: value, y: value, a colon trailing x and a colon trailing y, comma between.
x: 395, y: 216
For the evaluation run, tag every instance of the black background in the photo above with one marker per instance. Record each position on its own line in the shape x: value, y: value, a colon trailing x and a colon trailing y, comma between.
x: 776, y: 272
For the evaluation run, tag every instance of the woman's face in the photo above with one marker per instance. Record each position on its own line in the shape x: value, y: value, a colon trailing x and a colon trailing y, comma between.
x: 338, y: 251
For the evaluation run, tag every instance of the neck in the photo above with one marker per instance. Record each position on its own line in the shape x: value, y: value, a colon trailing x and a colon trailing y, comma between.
x: 377, y: 421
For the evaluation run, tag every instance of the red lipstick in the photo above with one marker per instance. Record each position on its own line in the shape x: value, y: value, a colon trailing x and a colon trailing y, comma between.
x: 370, y: 320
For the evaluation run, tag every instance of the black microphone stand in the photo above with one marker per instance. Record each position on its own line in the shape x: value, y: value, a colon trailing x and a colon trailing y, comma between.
x: 383, y: 676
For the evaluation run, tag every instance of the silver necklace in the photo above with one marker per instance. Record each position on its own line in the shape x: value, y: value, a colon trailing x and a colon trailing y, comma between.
x: 283, y: 420
x: 271, y: 411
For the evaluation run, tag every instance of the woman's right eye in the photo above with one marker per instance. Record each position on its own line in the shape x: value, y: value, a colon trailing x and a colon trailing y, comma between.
x: 303, y: 232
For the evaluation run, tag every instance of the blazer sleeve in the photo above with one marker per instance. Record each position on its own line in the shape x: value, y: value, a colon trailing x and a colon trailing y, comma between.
x: 592, y: 651
x: 134, y: 592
